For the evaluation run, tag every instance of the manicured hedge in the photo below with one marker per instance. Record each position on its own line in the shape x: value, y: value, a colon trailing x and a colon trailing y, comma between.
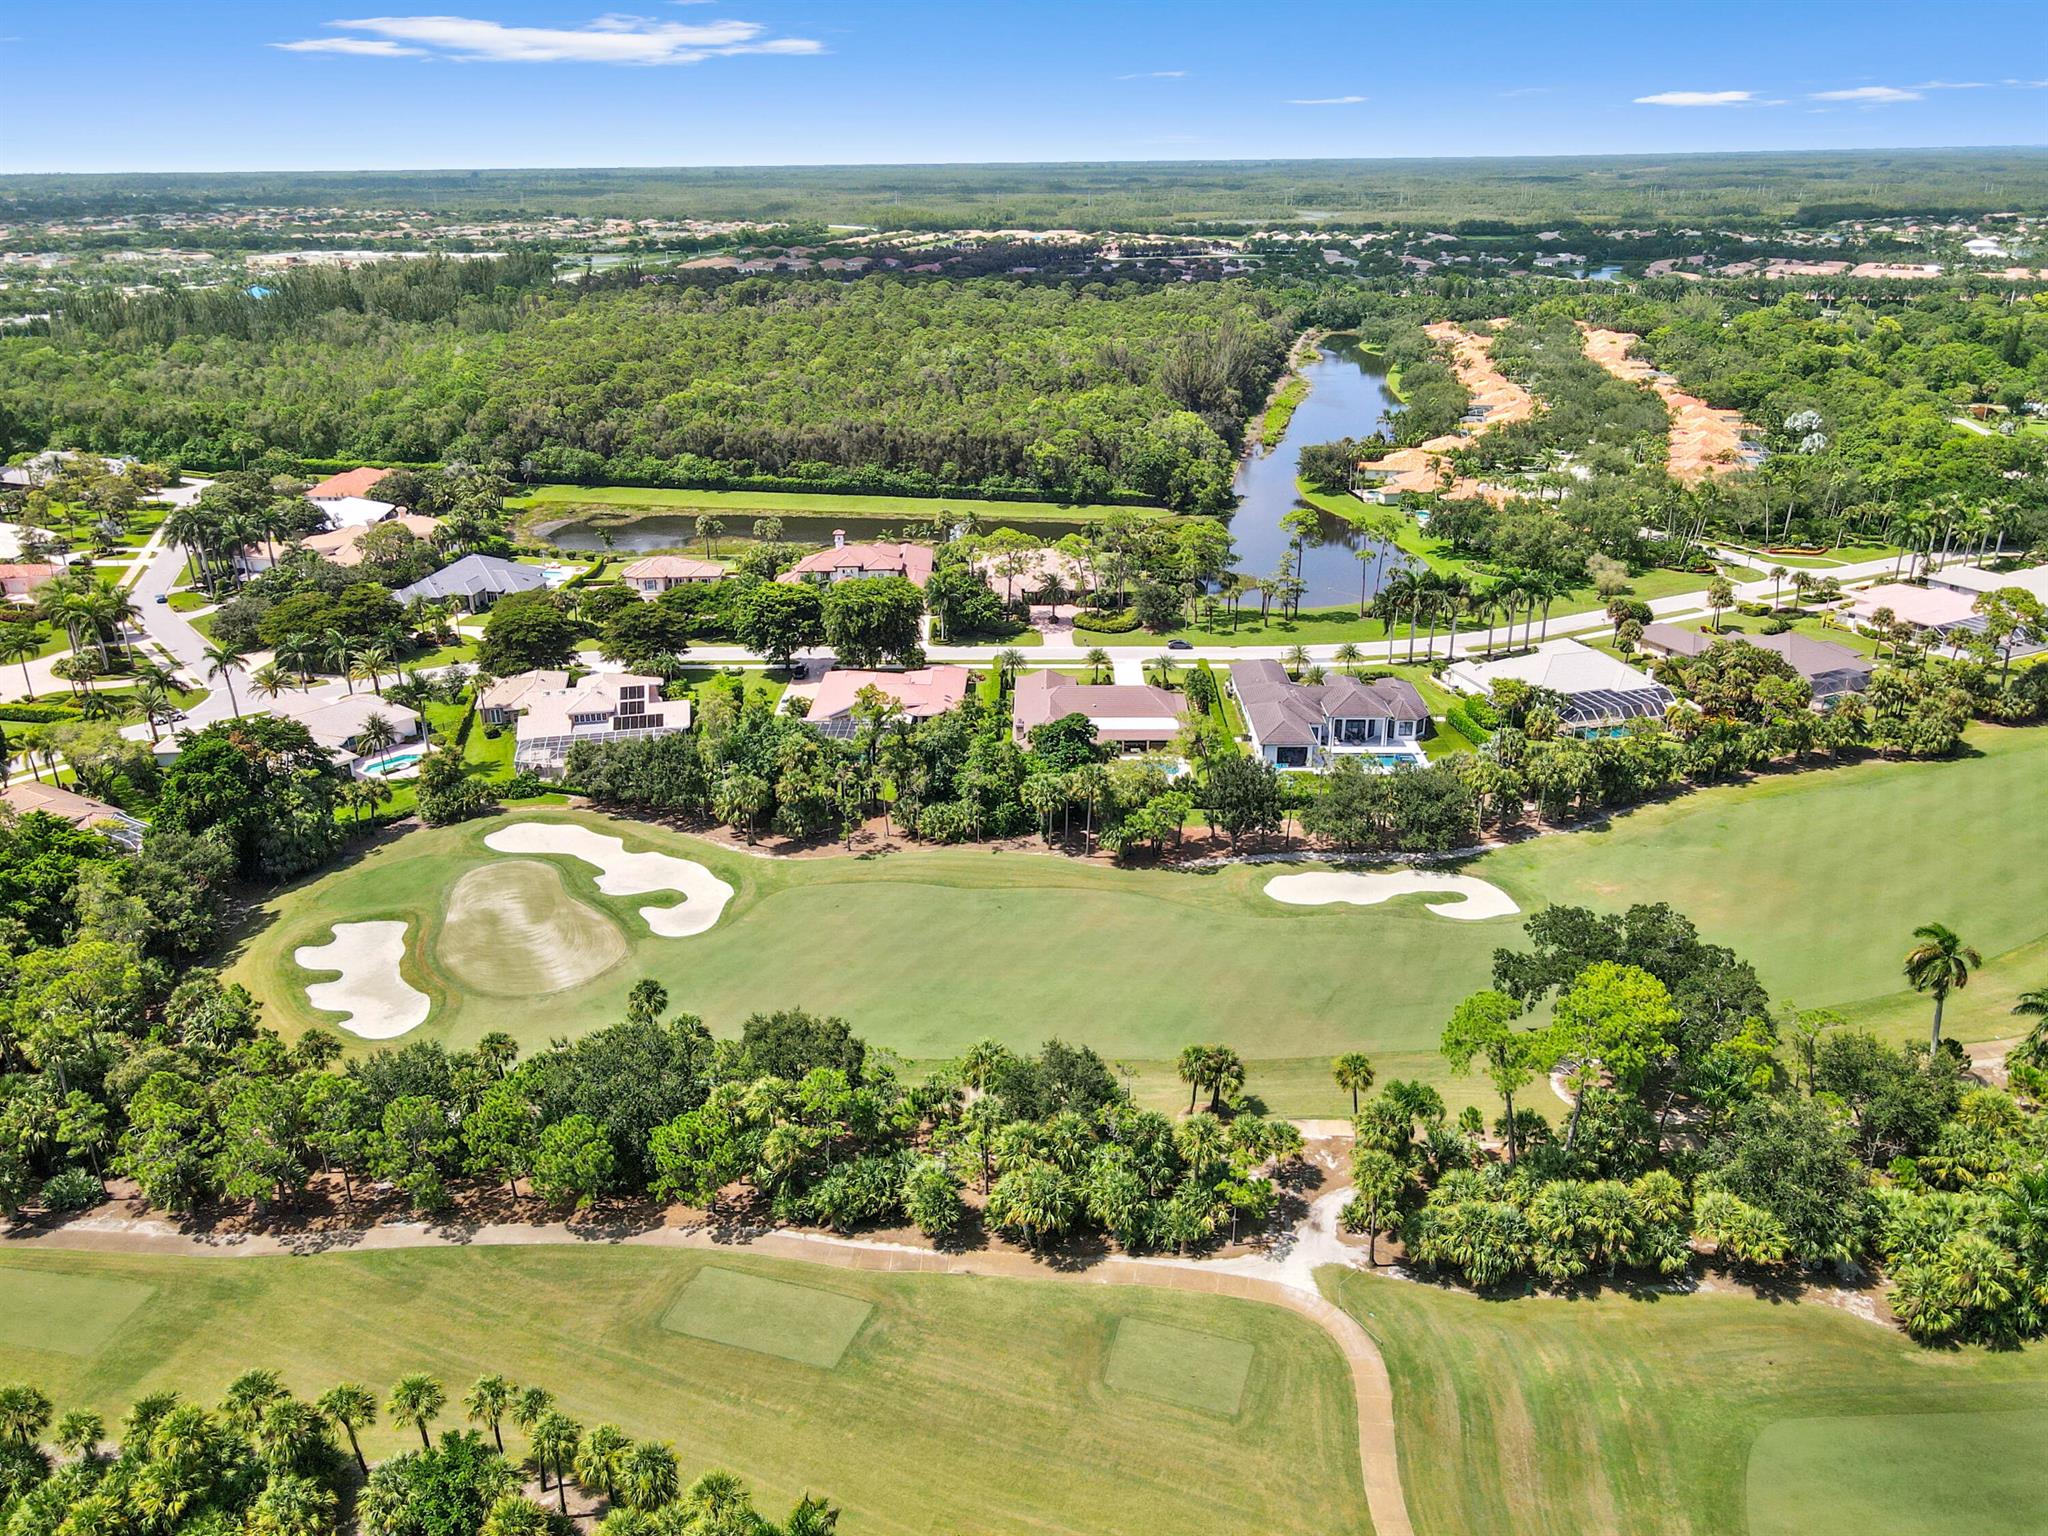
x: 1107, y: 623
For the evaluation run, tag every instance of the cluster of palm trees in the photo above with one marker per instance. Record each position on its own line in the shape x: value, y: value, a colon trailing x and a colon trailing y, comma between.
x: 1427, y: 599
x: 94, y: 614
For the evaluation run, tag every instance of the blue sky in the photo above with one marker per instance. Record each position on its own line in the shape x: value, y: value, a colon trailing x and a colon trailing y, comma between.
x: 99, y: 85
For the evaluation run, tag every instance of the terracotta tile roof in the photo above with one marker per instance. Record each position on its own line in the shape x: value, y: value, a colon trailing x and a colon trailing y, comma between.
x: 350, y: 482
x: 931, y: 691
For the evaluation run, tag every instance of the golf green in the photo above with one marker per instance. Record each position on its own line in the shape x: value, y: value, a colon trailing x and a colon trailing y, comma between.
x: 1177, y: 1365
x: 1874, y: 1473
x: 927, y: 950
x: 771, y: 1317
x: 69, y: 1315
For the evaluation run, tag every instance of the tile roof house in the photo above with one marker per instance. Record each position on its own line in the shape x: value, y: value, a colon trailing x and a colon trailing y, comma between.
x: 336, y: 723
x: 1600, y: 692
x: 1133, y: 717
x: 349, y: 483
x: 657, y: 573
x: 1974, y: 579
x: 922, y: 694
x: 553, y: 713
x: 1308, y: 725
x: 1833, y: 670
x: 1922, y: 607
x: 79, y: 810
x: 475, y: 581
x: 844, y: 561
x: 344, y: 545
x: 19, y: 582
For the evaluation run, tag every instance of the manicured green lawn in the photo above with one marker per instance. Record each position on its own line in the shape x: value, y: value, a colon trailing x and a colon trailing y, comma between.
x: 561, y: 499
x: 955, y: 1404
x: 1695, y: 1414
x: 928, y: 950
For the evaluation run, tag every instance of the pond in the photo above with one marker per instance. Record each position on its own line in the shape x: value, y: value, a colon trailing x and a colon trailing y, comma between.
x: 668, y: 530
x: 1347, y: 397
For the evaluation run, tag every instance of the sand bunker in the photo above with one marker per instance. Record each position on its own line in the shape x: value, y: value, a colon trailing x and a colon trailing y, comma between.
x: 627, y: 874
x: 1477, y: 898
x: 379, y: 1003
x: 514, y: 929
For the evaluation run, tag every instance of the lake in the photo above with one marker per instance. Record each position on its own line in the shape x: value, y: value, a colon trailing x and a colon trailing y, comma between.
x: 1347, y: 397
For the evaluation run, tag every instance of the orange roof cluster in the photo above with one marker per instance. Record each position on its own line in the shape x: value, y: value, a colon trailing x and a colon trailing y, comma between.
x: 1704, y: 441
x: 1423, y: 469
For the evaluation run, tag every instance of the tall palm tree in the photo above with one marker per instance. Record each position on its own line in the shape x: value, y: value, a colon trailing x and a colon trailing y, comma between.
x: 1938, y: 963
x: 222, y: 658
x: 2034, y: 1005
x: 555, y: 1437
x: 372, y: 661
x: 487, y: 1401
x: 647, y: 1475
x: 378, y: 735
x: 339, y: 649
x: 1353, y: 1072
x: 417, y: 1400
x: 1455, y: 593
x: 270, y: 680
x: 600, y: 1460
x: 20, y: 643
x: 249, y: 1397
x: 288, y: 1433
x: 351, y: 1405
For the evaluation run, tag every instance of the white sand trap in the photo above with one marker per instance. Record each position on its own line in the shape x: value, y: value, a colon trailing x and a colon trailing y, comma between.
x: 1477, y: 898
x: 627, y: 874
x: 379, y: 1003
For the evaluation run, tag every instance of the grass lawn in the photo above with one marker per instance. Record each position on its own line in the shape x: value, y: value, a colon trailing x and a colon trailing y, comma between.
x: 949, y: 1403
x: 556, y: 500
x: 1281, y: 411
x: 1696, y: 1414
x: 928, y: 950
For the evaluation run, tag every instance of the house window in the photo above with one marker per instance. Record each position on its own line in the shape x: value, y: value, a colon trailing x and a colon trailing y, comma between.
x: 1291, y: 757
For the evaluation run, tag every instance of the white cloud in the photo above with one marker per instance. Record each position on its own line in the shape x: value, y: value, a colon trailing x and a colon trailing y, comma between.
x: 365, y: 47
x: 1951, y: 85
x: 1697, y: 99
x: 1325, y: 101
x: 607, y: 40
x: 2026, y: 85
x: 1870, y: 94
x: 1156, y: 74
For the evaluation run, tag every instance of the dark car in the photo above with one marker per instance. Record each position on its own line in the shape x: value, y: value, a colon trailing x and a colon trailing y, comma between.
x: 163, y: 597
x: 1179, y: 645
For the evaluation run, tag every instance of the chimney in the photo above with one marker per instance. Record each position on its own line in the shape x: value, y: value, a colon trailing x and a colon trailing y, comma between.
x: 839, y: 538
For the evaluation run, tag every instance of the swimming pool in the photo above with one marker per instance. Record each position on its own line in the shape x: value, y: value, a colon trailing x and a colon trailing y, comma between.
x: 400, y: 764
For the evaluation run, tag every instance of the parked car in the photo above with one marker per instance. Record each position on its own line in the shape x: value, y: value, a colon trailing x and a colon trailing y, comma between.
x: 163, y: 597
x: 1179, y: 645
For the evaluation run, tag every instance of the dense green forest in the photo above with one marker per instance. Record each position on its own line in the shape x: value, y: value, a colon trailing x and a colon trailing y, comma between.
x: 1131, y: 195
x: 1077, y: 391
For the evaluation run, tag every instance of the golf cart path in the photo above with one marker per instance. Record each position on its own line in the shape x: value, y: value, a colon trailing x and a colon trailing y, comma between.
x: 1282, y: 1277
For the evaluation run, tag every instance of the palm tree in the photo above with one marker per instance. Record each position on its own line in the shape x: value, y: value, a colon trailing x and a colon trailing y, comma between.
x: 2034, y: 1005
x: 351, y: 1405
x: 288, y: 1433
x: 19, y: 643
x: 1097, y: 662
x: 554, y: 1438
x: 378, y: 735
x: 24, y: 1413
x: 1348, y: 656
x: 1353, y: 1071
x: 221, y: 661
x: 270, y: 680
x: 417, y: 1400
x: 1192, y: 1068
x: 372, y: 661
x: 249, y: 1396
x: 1940, y: 962
x: 487, y: 1401
x: 79, y: 1432
x: 339, y: 649
x: 647, y: 1475
x: 600, y: 1460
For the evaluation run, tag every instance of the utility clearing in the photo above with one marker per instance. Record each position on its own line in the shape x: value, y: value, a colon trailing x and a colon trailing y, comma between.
x: 1476, y: 898
x: 375, y: 1001
x: 627, y: 874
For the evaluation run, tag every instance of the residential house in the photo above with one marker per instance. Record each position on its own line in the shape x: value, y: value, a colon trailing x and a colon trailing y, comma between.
x: 1599, y: 692
x: 844, y: 562
x: 551, y: 713
x: 346, y: 499
x: 1936, y: 608
x: 475, y: 582
x: 921, y: 694
x: 1975, y: 580
x: 19, y: 582
x: 338, y: 724
x: 1309, y: 725
x: 1131, y: 717
x: 344, y: 546
x: 1832, y: 670
x: 79, y: 810
x: 657, y: 573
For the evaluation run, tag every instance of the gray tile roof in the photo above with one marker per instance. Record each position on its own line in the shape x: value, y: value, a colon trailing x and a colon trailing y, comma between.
x: 1284, y: 713
x: 474, y: 574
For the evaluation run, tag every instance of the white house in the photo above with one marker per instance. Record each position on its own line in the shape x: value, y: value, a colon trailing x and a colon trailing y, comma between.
x: 1599, y: 691
x: 1309, y: 725
x: 551, y: 714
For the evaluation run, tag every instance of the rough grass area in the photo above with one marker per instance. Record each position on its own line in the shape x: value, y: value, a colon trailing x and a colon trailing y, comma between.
x: 771, y: 1317
x: 64, y: 1314
x: 929, y: 949
x: 964, y: 1405
x: 1872, y: 1473
x: 1646, y: 1413
x: 1177, y: 1365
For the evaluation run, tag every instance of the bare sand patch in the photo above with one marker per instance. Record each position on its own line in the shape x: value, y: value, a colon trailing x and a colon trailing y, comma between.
x: 378, y: 1002
x: 627, y: 874
x: 1477, y: 898
x: 514, y: 929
